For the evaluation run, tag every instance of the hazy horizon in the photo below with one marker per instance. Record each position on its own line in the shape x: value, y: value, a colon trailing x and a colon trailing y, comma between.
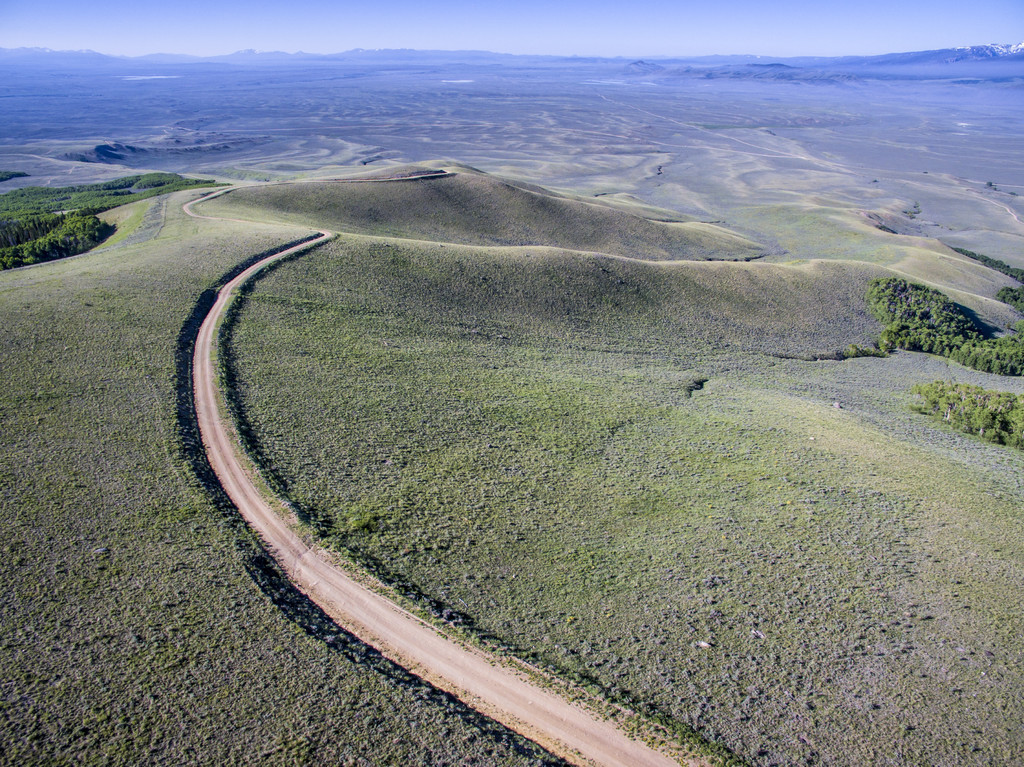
x: 600, y: 29
x: 633, y: 56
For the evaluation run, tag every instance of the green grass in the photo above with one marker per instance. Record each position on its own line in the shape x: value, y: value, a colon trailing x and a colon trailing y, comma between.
x: 142, y: 623
x: 626, y: 469
x: 814, y: 231
x: 473, y: 208
x: 517, y: 439
x: 809, y: 230
x: 94, y: 197
x: 47, y: 223
x: 126, y: 220
x: 993, y: 263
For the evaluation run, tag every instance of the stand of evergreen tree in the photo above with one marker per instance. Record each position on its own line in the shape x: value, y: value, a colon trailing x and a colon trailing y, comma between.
x: 44, y: 238
x: 43, y: 223
x: 919, y: 318
x: 1013, y: 297
x: 32, y: 200
x: 992, y: 415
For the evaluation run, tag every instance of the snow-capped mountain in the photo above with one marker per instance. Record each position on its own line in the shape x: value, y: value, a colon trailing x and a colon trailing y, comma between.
x: 981, y: 52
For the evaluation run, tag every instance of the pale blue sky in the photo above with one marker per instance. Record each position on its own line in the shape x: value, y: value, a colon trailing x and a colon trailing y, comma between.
x: 572, y: 27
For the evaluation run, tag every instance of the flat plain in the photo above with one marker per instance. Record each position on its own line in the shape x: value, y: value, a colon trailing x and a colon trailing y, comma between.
x: 598, y: 421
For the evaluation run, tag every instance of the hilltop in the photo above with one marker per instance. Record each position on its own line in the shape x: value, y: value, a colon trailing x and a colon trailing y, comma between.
x: 551, y: 402
x: 468, y: 207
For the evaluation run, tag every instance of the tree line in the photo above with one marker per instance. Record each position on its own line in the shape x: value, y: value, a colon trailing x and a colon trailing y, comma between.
x: 43, y: 223
x: 1012, y: 296
x: 919, y: 318
x: 44, y: 238
x: 992, y: 415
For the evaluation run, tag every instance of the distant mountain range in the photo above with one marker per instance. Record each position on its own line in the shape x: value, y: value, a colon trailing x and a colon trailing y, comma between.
x: 996, y: 61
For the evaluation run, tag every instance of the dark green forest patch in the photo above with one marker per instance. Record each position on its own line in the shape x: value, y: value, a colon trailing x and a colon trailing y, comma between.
x: 42, y: 223
x: 922, y: 319
x: 1012, y: 297
x: 993, y: 415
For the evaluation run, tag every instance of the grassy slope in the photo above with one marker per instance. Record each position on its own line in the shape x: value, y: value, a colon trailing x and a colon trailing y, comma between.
x: 126, y: 219
x: 133, y: 628
x: 473, y: 208
x: 511, y: 433
x: 807, y: 231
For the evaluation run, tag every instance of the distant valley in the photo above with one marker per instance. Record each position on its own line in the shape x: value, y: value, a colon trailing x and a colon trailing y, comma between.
x: 666, y: 377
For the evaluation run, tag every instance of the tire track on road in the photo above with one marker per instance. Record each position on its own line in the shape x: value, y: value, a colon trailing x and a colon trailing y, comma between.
x: 482, y: 681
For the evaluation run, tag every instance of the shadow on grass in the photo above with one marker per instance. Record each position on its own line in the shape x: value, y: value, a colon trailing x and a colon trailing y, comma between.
x: 322, y: 523
x: 987, y: 330
x: 265, y: 572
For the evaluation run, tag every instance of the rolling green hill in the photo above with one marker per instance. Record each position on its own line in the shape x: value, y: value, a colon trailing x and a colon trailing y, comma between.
x: 469, y: 207
x: 605, y: 442
x: 610, y: 466
x: 142, y: 623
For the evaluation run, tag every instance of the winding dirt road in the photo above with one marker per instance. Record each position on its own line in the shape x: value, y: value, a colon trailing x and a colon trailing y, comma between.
x: 482, y: 681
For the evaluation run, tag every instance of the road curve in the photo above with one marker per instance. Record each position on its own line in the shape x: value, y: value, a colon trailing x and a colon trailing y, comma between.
x: 480, y: 680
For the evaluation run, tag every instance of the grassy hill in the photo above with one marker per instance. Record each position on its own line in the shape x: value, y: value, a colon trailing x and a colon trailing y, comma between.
x: 141, y: 621
x: 469, y: 207
x: 45, y: 223
x: 553, y: 422
x: 608, y: 466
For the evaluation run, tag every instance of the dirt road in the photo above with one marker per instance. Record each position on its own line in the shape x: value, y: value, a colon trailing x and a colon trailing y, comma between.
x: 482, y: 681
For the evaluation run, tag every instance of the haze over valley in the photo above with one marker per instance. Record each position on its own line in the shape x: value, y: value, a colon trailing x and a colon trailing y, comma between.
x: 613, y: 371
